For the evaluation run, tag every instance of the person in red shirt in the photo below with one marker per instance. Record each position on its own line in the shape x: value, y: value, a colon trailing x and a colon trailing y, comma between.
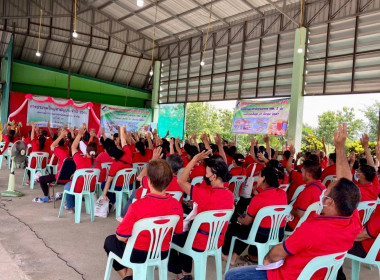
x: 156, y: 204
x: 311, y: 173
x: 237, y: 169
x: 285, y: 158
x: 104, y: 157
x: 86, y: 161
x: 213, y: 197
x: 122, y: 160
x: 330, y: 170
x: 268, y: 194
x: 319, y: 235
x: 142, y: 154
x: 61, y: 152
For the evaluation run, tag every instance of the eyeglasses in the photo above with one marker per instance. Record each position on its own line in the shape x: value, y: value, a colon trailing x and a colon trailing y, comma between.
x: 325, y: 196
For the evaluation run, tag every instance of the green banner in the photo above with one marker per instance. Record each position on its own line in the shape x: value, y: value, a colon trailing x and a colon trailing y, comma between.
x: 171, y: 118
x: 133, y: 118
x: 261, y: 117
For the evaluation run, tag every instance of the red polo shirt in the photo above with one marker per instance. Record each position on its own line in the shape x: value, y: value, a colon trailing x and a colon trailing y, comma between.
x: 137, y: 157
x: 238, y: 171
x: 267, y: 197
x: 151, y: 205
x: 83, y: 162
x: 103, y: 157
x: 368, y: 191
x: 198, y: 170
x: 309, y: 195
x: 284, y: 162
x: 61, y: 153
x: 373, y: 230
x: 330, y: 170
x: 185, y: 160
x: 259, y: 166
x: 324, y: 163
x: 297, y: 180
x: 124, y: 162
x: 36, y: 148
x: 248, y: 160
x: 229, y: 160
x: 210, y: 198
x: 172, y: 187
x: 317, y: 236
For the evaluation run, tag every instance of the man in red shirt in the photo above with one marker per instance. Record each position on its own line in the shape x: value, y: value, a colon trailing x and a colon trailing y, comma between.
x: 155, y: 204
x: 319, y: 235
x: 285, y: 158
x: 331, y: 169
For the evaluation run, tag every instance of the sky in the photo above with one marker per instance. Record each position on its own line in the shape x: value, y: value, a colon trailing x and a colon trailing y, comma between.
x: 316, y: 105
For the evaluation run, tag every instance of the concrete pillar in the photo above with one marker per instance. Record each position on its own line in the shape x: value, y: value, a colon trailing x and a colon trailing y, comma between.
x: 156, y: 90
x: 296, y: 102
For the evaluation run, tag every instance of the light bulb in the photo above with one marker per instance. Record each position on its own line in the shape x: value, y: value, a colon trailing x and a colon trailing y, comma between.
x: 306, y: 72
x: 151, y: 72
x: 38, y: 54
x: 161, y: 88
x: 300, y: 50
x: 75, y: 34
x: 140, y: 3
x: 202, y: 63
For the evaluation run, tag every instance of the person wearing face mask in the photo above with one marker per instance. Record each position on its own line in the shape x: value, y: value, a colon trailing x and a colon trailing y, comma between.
x: 214, y: 197
x: 266, y: 194
x: 332, y: 232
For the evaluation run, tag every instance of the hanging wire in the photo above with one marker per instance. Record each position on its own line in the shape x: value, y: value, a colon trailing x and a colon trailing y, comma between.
x: 39, y: 35
x: 208, y: 29
x: 154, y: 38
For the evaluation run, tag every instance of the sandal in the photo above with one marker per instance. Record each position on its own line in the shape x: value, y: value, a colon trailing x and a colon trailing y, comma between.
x: 246, y: 258
x: 41, y: 199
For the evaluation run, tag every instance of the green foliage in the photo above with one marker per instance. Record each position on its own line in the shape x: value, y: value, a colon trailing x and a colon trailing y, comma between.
x: 372, y: 115
x: 311, y: 143
x: 356, y: 146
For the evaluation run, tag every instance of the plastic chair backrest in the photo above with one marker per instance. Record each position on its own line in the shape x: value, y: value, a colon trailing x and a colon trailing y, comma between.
x: 89, y: 175
x: 314, y: 207
x: 28, y: 149
x: 284, y: 187
x: 176, y: 194
x: 139, y: 166
x: 277, y: 214
x: 230, y: 167
x: 39, y: 157
x: 197, y: 180
x: 330, y: 179
x: 367, y: 207
x: 296, y: 193
x: 332, y: 262
x: 52, y: 160
x: 106, y: 166
x: 216, y: 220
x: 238, y: 180
x: 158, y: 228
x: 372, y: 253
x: 127, y: 174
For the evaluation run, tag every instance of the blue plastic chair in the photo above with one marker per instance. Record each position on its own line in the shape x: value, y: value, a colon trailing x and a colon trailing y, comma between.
x: 176, y: 194
x: 296, y: 194
x: 314, y: 207
x: 370, y: 259
x: 230, y: 167
x: 216, y: 220
x: 89, y: 175
x: 238, y: 181
x: 330, y: 179
x: 332, y: 262
x: 197, y: 180
x: 7, y: 155
x: 158, y: 228
x: 2, y: 144
x: 123, y: 195
x: 277, y: 215
x: 40, y: 158
x: 106, y: 166
x: 139, y: 166
x: 368, y: 207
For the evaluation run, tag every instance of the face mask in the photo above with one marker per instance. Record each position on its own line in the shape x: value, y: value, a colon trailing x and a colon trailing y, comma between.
x: 207, y: 180
x: 321, y: 198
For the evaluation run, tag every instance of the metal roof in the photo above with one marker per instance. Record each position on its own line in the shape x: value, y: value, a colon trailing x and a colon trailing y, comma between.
x: 115, y: 36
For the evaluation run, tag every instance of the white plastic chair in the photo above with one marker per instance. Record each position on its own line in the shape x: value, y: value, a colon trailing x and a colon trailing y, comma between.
x: 230, y: 167
x: 296, y: 194
x: 90, y: 176
x: 125, y: 192
x: 277, y: 214
x: 216, y: 220
x: 370, y: 259
x: 314, y: 207
x: 158, y: 228
x: 368, y: 207
x: 332, y: 262
x: 51, y: 166
x: 107, y: 167
x: 284, y: 187
x: 238, y: 181
x: 41, y: 159
x: 176, y: 194
x: 330, y: 178
x: 139, y: 166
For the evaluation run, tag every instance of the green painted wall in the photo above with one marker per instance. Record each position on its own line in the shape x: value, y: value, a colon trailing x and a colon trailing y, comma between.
x: 41, y: 80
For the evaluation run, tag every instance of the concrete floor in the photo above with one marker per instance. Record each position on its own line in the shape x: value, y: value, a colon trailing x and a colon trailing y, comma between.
x: 36, y: 244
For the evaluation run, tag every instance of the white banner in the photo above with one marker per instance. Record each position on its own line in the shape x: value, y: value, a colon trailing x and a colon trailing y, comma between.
x: 59, y: 116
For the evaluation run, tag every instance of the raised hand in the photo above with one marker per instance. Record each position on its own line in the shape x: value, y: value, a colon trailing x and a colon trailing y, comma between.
x: 218, y: 139
x: 292, y: 150
x: 157, y: 153
x: 364, y: 140
x: 340, y: 135
x: 266, y: 138
x: 202, y: 155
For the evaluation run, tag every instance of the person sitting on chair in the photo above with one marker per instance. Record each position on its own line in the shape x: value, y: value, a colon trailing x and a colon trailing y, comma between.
x: 155, y: 204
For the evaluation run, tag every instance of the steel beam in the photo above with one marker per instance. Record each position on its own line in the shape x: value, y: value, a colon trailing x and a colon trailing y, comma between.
x: 281, y: 11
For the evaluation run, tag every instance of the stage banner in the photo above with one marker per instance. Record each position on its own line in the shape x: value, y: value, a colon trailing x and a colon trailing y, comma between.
x: 133, y: 118
x: 261, y: 117
x: 56, y: 114
x: 171, y: 117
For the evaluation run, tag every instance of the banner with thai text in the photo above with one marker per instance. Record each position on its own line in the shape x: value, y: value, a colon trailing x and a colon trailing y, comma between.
x: 58, y: 115
x: 134, y: 118
x: 261, y: 117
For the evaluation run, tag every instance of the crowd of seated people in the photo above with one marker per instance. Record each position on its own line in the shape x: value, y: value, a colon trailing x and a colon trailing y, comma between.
x: 171, y: 167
